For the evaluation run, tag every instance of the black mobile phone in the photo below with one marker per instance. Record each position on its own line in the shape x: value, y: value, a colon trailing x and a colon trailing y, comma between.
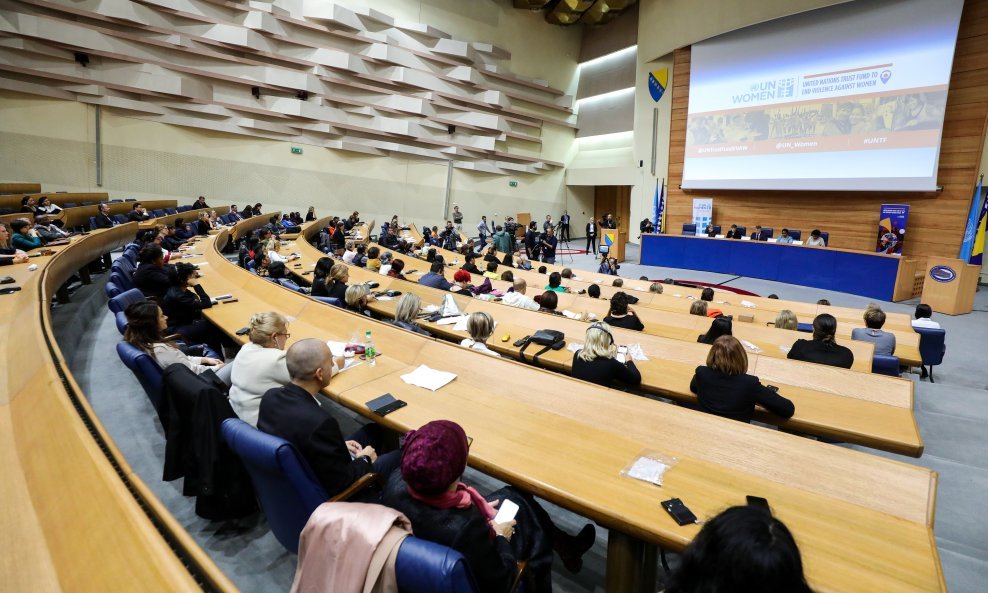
x: 758, y: 501
x: 773, y: 388
x: 306, y: 273
x: 243, y: 331
x: 385, y: 404
x: 679, y: 511
x: 521, y: 341
x: 230, y: 301
x: 9, y: 289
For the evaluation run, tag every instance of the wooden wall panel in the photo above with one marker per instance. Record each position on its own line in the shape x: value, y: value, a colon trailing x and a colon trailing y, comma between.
x: 936, y: 220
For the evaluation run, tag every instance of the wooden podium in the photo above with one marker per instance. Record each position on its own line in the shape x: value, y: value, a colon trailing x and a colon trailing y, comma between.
x: 950, y: 285
x: 618, y: 239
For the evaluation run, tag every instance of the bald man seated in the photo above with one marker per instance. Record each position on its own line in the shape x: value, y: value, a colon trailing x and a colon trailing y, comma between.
x: 293, y: 413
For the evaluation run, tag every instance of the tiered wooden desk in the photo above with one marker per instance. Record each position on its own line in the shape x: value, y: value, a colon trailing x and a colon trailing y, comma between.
x: 73, y: 515
x: 862, y: 522
x: 871, y: 410
x: 79, y: 216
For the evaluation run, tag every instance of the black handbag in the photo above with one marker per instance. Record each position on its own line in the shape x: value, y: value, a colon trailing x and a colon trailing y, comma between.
x: 550, y: 339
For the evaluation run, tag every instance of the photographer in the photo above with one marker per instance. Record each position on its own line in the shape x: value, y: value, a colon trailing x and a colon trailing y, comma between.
x: 548, y: 243
x: 449, y: 237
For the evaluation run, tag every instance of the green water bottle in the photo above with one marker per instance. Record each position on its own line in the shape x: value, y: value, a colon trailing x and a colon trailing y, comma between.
x: 370, y: 353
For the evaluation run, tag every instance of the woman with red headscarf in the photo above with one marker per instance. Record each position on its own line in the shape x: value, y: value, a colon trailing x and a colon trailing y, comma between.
x: 446, y: 511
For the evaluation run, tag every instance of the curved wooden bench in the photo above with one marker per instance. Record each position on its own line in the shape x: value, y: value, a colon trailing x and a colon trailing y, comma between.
x: 74, y: 516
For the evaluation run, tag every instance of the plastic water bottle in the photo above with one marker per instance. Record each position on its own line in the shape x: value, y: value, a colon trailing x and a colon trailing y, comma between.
x: 370, y: 353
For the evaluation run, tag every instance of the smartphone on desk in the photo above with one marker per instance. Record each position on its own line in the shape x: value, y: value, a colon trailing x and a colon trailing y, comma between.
x: 679, y: 511
x: 385, y: 404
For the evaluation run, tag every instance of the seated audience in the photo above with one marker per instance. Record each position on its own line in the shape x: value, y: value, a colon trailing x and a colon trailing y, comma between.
x: 605, y: 266
x: 396, y: 268
x: 874, y: 319
x: 444, y: 510
x: 25, y: 237
x: 786, y: 319
x: 138, y: 213
x: 707, y: 294
x: 320, y: 275
x: 593, y: 291
x: 373, y: 262
x: 723, y: 387
x: 8, y: 253
x: 621, y: 315
x: 823, y: 348
x: 183, y: 307
x: 655, y: 287
x: 103, y: 218
x: 360, y: 258
x: 618, y: 283
x: 744, y: 549
x: 491, y: 270
x: 555, y: 279
x: 153, y: 277
x: 698, y: 308
x: 523, y: 262
x: 759, y: 235
x: 816, y: 239
x: 516, y: 296
x: 542, y: 270
x: 146, y: 326
x: 784, y: 237
x: 710, y: 231
x: 508, y: 276
x: 349, y: 253
x: 260, y: 365
x: 436, y: 277
x: 356, y: 299
x: 923, y: 316
x: 46, y: 207
x: 734, y: 233
x: 386, y: 260
x: 491, y: 254
x: 408, y: 309
x: 461, y: 283
x: 293, y: 413
x: 548, y: 302
x: 50, y: 234
x: 29, y: 205
x: 773, y: 296
x: 824, y: 302
x: 470, y: 265
x: 596, y: 362
x: 566, y: 273
x: 480, y: 326
x: 720, y: 326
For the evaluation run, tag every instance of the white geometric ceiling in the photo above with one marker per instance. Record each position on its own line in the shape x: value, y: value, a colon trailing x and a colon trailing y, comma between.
x: 346, y: 79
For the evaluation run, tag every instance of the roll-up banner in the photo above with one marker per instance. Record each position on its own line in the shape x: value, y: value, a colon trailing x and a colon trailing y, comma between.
x: 703, y: 214
x: 892, y: 228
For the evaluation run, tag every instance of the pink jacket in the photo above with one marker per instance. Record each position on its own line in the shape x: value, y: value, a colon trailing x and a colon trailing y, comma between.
x: 350, y: 547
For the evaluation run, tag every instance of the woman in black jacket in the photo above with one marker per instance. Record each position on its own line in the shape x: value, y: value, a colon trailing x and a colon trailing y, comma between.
x: 823, y: 348
x: 319, y: 276
x: 596, y: 362
x: 723, y: 387
x: 621, y: 315
x: 721, y: 326
x: 183, y: 307
x: 446, y: 511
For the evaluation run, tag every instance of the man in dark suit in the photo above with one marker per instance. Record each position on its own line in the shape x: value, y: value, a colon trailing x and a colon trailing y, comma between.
x: 103, y: 220
x: 138, y: 213
x: 294, y: 414
x: 759, y: 235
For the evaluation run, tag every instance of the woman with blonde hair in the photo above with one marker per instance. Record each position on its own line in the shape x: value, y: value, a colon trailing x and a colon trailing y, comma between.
x: 724, y: 388
x: 699, y: 308
x: 336, y: 286
x: 596, y: 362
x: 9, y: 255
x: 260, y: 364
x: 786, y: 319
x: 357, y: 297
x: 480, y: 326
x: 408, y: 309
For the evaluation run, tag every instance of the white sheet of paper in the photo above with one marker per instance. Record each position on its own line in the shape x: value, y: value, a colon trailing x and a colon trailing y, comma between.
x: 428, y: 378
x: 750, y: 346
x: 574, y: 346
x: 337, y: 348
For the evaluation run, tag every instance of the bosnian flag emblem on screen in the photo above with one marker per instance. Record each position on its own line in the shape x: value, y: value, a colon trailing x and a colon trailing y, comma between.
x: 658, y: 80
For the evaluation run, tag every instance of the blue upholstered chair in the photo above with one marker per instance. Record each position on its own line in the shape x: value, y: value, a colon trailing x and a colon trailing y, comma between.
x: 124, y: 266
x: 92, y: 223
x: 122, y: 301
x: 158, y: 213
x: 884, y: 364
x: 286, y: 488
x: 427, y: 567
x: 121, y: 280
x: 120, y: 218
x: 111, y: 289
x: 130, y: 199
x: 145, y: 368
x: 716, y: 229
x: 805, y: 327
x: 121, y: 321
x: 743, y: 230
x: 170, y: 211
x: 796, y: 234
x: 932, y: 347
x: 70, y: 205
x: 689, y: 230
x: 330, y: 301
x: 768, y: 231
x: 130, y: 254
x: 289, y: 284
x: 826, y: 237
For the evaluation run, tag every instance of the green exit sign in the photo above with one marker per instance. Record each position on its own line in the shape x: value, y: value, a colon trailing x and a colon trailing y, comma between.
x: 296, y: 150
x: 512, y: 184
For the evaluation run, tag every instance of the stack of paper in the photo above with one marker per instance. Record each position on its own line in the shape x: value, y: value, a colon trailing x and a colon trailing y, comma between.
x: 571, y: 315
x: 636, y: 352
x: 750, y: 346
x: 430, y: 379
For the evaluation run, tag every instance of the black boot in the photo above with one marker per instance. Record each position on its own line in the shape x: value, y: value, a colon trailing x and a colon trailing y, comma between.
x: 572, y: 548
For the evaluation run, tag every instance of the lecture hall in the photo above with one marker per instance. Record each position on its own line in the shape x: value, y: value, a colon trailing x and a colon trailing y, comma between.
x: 493, y: 296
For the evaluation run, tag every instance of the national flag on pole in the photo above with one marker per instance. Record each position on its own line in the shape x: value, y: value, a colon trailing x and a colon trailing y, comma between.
x: 659, y: 207
x: 978, y: 250
x: 971, y: 231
